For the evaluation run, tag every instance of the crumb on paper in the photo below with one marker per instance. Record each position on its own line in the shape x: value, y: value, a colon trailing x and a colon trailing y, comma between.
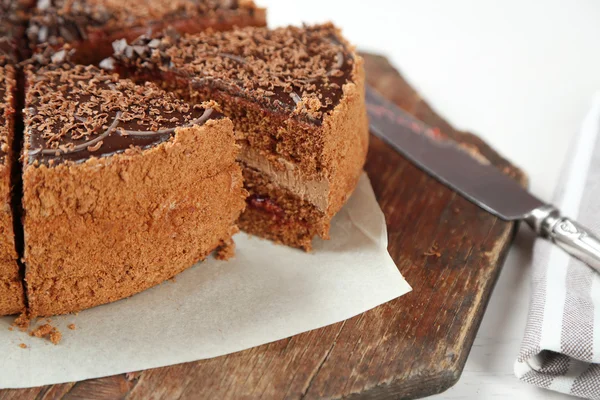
x: 10, y: 328
x: 47, y: 331
x: 55, y: 336
x: 41, y: 331
x: 71, y: 327
x: 433, y: 251
x: 22, y: 321
x: 23, y: 345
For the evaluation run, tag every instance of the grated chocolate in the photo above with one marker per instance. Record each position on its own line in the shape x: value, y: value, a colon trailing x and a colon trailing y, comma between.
x: 75, y: 112
x: 291, y: 69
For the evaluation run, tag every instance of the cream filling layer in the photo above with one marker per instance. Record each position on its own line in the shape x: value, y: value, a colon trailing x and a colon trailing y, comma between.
x: 287, y: 176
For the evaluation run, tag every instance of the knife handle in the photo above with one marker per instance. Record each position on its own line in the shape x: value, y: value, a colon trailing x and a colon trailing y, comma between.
x: 573, y: 238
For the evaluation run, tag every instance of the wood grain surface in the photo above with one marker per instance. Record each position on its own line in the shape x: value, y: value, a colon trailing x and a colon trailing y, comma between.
x: 448, y: 249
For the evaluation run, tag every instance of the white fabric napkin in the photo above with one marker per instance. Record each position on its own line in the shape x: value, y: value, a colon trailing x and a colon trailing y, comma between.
x: 266, y: 293
x: 561, y: 347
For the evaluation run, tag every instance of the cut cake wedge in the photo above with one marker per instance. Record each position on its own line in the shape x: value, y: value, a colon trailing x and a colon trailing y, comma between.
x: 296, y: 98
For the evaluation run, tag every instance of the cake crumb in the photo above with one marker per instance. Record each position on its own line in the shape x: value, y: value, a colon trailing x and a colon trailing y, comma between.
x: 23, y: 345
x: 55, y: 336
x: 42, y: 331
x: 433, y: 251
x: 48, y: 331
x: 10, y: 328
x: 226, y: 250
x: 71, y: 327
x: 22, y: 321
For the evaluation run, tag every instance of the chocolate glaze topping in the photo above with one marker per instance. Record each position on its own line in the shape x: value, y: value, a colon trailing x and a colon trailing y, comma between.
x: 75, y: 112
x: 299, y: 69
x: 64, y: 21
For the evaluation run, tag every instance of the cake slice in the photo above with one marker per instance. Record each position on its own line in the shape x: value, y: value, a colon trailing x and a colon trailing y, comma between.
x: 123, y: 186
x: 296, y: 98
x: 91, y: 26
x: 11, y: 289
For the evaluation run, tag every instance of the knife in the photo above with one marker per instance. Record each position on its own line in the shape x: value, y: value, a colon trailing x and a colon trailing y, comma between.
x: 473, y: 177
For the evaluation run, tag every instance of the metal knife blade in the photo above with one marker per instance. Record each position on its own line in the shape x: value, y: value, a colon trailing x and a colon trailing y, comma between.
x: 473, y: 177
x: 456, y: 167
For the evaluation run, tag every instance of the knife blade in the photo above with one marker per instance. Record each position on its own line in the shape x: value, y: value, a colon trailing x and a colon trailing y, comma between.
x: 465, y: 171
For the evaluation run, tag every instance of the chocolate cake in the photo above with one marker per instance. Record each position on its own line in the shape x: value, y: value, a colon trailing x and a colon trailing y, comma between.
x: 92, y: 25
x: 123, y: 186
x: 296, y: 98
x: 11, y: 289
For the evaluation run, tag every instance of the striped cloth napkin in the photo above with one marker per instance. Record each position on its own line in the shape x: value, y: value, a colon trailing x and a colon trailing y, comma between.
x: 561, y: 347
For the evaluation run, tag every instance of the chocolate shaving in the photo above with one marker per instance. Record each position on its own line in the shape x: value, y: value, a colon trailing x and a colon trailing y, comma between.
x: 233, y: 57
x: 107, y: 64
x: 297, y: 99
x: 339, y: 64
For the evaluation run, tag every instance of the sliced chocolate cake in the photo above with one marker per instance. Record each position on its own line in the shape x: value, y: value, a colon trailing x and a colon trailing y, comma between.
x: 11, y: 289
x: 91, y: 26
x: 124, y: 186
x: 296, y: 98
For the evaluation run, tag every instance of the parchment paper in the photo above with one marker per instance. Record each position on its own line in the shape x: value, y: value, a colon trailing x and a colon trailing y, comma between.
x: 268, y: 292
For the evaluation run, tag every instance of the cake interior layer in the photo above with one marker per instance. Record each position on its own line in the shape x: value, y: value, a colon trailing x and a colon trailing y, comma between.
x: 286, y: 175
x: 275, y: 213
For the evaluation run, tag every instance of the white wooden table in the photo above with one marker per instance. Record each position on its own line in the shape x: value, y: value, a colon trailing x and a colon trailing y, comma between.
x: 521, y: 74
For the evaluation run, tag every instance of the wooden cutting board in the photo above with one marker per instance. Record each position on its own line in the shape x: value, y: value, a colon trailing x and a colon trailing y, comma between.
x: 448, y: 249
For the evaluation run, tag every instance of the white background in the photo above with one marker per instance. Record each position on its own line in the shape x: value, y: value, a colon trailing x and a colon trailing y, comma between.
x: 521, y: 74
